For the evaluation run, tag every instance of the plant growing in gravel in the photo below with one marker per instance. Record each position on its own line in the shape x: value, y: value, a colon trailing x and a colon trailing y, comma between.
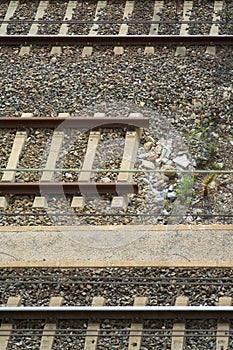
x: 199, y: 130
x: 207, y: 181
x: 185, y: 192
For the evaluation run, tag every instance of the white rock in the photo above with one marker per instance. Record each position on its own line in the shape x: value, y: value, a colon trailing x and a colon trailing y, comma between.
x: 171, y: 195
x: 146, y: 180
x: 106, y: 179
x: 158, y: 163
x: 226, y: 95
x: 148, y: 165
x: 165, y: 212
x: 143, y: 155
x: 158, y: 150
x: 53, y: 60
x: 182, y: 161
x: 165, y: 153
x: 69, y: 176
x: 166, y: 161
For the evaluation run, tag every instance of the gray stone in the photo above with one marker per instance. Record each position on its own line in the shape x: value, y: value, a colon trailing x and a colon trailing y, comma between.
x: 148, y: 165
x: 171, y: 195
x: 182, y: 161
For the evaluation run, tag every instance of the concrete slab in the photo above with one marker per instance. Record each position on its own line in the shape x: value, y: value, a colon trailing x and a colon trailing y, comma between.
x: 187, y: 10
x: 13, y: 160
x: 218, y: 6
x: 12, y: 7
x: 34, y: 27
x: 87, y: 50
x: 180, y: 245
x: 56, y: 50
x: 129, y: 7
x: 154, y: 28
x: 3, y: 202
x: 78, y: 202
x: 40, y: 202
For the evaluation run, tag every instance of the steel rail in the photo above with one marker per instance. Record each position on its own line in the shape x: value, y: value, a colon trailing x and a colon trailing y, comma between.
x: 67, y: 188
x: 79, y: 123
x: 92, y: 21
x: 116, y: 40
x: 135, y: 171
x: 150, y: 215
x: 117, y: 312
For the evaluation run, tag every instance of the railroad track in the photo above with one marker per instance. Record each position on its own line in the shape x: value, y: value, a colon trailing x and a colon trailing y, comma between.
x: 174, y: 307
x: 124, y: 185
x: 134, y: 182
x: 164, y: 25
x: 170, y: 325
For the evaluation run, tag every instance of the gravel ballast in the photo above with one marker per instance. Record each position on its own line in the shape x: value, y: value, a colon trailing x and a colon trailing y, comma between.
x: 119, y: 286
x: 192, y: 95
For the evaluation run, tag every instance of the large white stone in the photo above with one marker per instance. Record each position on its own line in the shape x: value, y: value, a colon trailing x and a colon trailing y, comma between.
x: 148, y: 165
x: 182, y: 161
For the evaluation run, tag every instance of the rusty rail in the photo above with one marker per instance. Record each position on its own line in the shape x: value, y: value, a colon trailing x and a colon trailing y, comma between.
x: 90, y: 123
x: 118, y: 312
x: 116, y: 40
x: 32, y: 188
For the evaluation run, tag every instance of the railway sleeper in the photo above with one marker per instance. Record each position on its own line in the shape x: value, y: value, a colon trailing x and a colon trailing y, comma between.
x: 136, y: 314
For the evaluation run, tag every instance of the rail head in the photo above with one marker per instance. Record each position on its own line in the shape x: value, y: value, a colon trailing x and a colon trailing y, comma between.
x: 118, y: 312
x: 68, y: 188
x: 116, y: 40
x: 74, y: 122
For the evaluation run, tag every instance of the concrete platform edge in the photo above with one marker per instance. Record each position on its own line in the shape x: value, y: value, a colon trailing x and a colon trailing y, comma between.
x: 178, y: 245
x: 103, y: 264
x: 117, y: 227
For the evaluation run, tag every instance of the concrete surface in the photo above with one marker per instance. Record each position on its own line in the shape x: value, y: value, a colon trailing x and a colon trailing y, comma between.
x: 112, y: 245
